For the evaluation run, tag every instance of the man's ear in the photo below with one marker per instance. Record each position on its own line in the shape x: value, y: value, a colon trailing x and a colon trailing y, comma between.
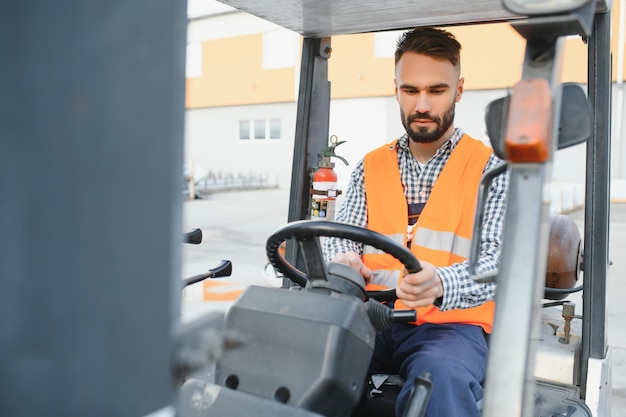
x: 459, y: 89
x: 395, y: 88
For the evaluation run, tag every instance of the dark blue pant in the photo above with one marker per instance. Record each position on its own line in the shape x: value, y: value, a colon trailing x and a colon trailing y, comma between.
x: 454, y: 354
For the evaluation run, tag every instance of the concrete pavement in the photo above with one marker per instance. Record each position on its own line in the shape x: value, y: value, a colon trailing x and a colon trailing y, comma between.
x: 236, y: 225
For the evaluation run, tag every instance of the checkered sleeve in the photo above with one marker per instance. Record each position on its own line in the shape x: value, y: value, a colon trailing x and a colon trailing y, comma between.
x: 460, y: 290
x: 353, y: 210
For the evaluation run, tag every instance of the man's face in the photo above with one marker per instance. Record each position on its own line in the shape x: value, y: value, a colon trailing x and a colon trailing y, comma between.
x: 427, y: 90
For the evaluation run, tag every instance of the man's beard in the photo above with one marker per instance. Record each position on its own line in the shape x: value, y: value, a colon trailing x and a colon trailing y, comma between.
x: 422, y: 135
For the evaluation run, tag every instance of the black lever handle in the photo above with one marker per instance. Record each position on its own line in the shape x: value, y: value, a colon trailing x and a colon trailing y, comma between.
x: 403, y: 316
x: 383, y: 295
x: 194, y: 237
x: 224, y: 269
x: 382, y: 316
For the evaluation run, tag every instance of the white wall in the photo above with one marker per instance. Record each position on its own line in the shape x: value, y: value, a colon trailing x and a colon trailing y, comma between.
x: 212, y: 141
x: 618, y: 144
x: 364, y: 123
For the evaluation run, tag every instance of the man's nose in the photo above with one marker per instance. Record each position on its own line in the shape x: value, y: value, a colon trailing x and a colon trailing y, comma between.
x: 422, y: 104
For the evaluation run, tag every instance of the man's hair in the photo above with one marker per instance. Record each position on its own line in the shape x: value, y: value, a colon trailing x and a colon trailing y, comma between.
x: 436, y: 43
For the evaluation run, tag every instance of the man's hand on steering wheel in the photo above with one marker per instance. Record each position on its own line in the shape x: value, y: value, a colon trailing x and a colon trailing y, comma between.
x: 422, y: 288
x: 419, y: 289
x: 353, y: 260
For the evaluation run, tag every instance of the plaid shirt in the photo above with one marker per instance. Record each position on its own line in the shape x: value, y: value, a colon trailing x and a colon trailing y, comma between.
x: 460, y: 290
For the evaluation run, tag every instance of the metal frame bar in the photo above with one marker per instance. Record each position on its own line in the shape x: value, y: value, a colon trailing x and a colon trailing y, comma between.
x: 509, y: 385
x: 597, y: 197
x: 311, y: 124
x: 311, y: 130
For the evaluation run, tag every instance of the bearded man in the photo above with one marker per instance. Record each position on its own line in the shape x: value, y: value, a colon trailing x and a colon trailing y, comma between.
x: 421, y: 190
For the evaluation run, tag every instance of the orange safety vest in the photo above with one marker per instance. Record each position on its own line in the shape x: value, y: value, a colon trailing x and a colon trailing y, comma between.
x: 443, y: 232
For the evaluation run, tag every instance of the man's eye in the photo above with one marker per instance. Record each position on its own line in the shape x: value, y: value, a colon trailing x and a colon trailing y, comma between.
x: 437, y: 91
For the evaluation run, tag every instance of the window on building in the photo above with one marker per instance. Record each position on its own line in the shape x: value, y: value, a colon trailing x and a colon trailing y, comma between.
x: 274, y: 129
x: 259, y: 130
x: 244, y: 129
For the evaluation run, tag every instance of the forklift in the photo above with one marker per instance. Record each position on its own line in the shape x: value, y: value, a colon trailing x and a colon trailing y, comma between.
x: 91, y: 326
x: 543, y: 316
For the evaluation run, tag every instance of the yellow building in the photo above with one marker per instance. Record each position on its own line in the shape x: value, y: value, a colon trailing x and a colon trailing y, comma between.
x: 242, y: 89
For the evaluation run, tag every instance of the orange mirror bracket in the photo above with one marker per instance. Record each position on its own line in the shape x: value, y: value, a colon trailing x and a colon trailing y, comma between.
x: 529, y: 123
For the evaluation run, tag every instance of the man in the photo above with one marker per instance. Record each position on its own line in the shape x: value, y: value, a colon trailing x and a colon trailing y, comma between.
x: 421, y: 190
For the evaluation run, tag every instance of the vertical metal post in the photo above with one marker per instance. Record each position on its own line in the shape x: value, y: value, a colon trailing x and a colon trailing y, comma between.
x: 509, y: 389
x: 311, y: 129
x: 597, y: 192
x: 312, y: 123
x: 91, y: 149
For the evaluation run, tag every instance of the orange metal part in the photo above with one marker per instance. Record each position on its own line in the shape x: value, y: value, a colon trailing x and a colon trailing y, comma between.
x: 529, y: 122
x: 221, y: 291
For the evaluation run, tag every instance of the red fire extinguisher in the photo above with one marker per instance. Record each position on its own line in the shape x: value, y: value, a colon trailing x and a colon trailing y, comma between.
x: 324, y: 190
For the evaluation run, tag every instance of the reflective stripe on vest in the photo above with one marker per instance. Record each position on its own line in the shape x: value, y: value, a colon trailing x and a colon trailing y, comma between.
x: 443, y: 241
x: 442, y: 235
x: 432, y: 239
x: 396, y: 237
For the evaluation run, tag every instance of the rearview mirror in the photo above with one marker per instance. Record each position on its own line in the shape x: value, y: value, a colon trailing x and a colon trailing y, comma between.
x: 574, y: 122
x: 542, y: 7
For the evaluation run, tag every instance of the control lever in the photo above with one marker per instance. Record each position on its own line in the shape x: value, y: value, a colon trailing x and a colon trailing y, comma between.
x: 383, y: 295
x: 382, y: 316
x: 194, y: 237
x: 223, y: 269
x: 419, y: 396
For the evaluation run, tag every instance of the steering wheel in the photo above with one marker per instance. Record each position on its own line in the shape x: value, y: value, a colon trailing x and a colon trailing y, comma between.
x: 307, y: 233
